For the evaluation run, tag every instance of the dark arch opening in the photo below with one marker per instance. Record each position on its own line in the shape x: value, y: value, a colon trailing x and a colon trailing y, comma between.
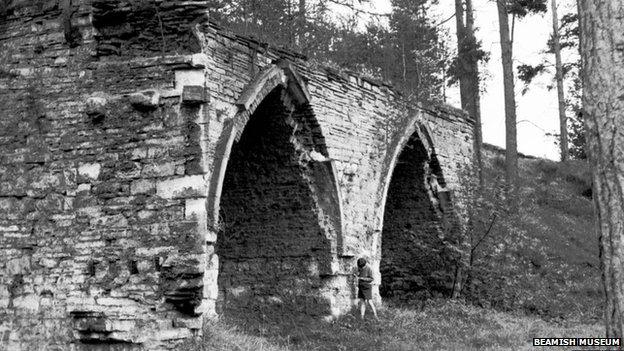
x: 414, y: 250
x: 271, y: 247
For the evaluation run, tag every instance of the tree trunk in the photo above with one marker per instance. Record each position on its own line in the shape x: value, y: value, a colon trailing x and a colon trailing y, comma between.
x: 302, y: 24
x: 462, y: 57
x: 602, y: 33
x: 475, y: 90
x: 563, y: 125
x: 468, y: 69
x: 511, y: 145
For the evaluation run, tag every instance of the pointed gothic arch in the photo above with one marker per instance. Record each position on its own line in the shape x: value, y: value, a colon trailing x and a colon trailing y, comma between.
x: 274, y: 195
x: 416, y: 218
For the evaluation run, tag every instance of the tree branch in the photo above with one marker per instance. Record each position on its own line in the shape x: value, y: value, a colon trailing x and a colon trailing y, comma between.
x: 359, y: 11
x: 484, y: 235
x: 446, y: 20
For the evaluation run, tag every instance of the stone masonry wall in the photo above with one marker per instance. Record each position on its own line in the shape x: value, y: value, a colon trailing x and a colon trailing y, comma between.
x: 116, y: 141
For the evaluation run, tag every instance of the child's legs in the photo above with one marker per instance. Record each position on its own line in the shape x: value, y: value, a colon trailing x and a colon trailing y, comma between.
x: 362, y: 307
x: 372, y: 306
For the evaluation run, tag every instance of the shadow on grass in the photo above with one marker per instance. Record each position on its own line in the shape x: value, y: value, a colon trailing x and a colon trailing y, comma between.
x: 307, y: 332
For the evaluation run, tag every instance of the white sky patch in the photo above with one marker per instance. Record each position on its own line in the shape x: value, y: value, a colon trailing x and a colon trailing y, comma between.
x: 537, y: 110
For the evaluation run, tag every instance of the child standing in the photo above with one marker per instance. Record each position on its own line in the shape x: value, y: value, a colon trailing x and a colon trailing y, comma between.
x: 365, y: 287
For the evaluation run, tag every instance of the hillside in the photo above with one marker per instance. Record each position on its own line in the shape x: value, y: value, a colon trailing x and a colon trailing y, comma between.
x: 536, y: 274
x: 551, y: 267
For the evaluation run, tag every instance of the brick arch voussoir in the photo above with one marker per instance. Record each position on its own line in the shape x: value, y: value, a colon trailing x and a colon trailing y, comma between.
x: 319, y: 168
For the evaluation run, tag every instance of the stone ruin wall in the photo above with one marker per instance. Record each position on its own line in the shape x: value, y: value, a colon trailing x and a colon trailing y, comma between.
x: 120, y: 126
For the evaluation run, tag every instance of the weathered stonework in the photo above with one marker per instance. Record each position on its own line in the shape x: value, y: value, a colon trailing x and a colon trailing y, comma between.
x: 155, y: 168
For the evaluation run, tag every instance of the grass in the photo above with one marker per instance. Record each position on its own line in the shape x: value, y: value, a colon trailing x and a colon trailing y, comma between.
x: 438, y: 325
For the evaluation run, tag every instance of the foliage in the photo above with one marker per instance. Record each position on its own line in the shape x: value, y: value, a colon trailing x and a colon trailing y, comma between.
x: 4, y: 5
x: 569, y: 33
x: 576, y: 130
x: 522, y: 8
x: 409, y: 53
x: 474, y: 53
x: 417, y: 46
x: 527, y: 73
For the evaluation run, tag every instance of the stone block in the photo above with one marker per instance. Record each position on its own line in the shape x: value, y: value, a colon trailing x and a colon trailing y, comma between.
x: 111, y: 301
x: 28, y: 302
x: 45, y: 182
x: 158, y: 169
x: 210, y: 236
x: 48, y: 262
x: 114, y: 221
x: 200, y: 60
x: 173, y: 334
x: 194, y: 94
x: 190, y: 77
x: 145, y: 266
x: 138, y: 153
x: 60, y: 61
x: 194, y: 186
x: 190, y: 323
x: 120, y: 325
x: 95, y: 107
x: 80, y: 303
x: 142, y: 186
x: 89, y: 321
x: 83, y: 188
x: 19, y: 265
x: 89, y: 171
x: 5, y: 296
x: 145, y: 100
x: 195, y: 209
x: 207, y: 308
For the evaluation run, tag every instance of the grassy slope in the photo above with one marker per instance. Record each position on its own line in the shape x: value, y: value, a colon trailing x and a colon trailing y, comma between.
x: 561, y: 291
x: 560, y: 248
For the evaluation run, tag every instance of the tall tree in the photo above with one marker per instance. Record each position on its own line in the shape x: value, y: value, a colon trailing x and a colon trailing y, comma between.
x: 302, y: 25
x: 467, y: 69
x: 602, y: 51
x: 568, y: 32
x: 563, y: 124
x: 511, y: 142
x: 417, y: 50
x: 518, y: 8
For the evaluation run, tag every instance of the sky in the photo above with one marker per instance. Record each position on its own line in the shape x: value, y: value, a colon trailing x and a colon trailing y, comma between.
x: 537, y: 111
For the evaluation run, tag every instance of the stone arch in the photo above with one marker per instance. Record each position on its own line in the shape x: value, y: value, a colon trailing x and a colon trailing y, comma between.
x: 273, y: 170
x: 415, y: 219
x: 414, y: 128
